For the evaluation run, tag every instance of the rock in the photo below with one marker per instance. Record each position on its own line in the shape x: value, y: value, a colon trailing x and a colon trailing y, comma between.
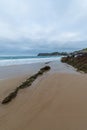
x: 46, y: 68
x: 25, y: 84
x: 10, y: 97
x: 79, y: 61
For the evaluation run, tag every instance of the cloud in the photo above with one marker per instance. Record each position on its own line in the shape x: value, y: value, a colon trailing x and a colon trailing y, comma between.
x: 27, y: 24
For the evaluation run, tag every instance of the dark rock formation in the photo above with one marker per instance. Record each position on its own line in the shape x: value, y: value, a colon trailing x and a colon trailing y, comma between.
x: 79, y: 61
x: 25, y: 84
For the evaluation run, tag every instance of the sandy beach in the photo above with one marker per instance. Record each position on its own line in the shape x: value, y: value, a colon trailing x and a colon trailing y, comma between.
x: 55, y: 101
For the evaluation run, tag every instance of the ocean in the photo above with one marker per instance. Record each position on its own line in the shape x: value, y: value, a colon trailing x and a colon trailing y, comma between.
x: 19, y: 60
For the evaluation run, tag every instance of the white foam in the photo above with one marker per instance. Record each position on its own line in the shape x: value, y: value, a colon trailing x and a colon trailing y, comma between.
x: 26, y: 61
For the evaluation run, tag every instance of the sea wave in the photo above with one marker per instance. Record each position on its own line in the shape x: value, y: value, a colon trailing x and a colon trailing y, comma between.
x: 7, y: 61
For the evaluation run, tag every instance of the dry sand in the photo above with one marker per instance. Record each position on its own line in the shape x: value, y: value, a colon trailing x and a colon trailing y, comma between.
x: 55, y: 101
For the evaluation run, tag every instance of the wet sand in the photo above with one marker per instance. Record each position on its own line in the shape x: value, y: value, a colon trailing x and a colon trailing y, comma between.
x: 56, y: 100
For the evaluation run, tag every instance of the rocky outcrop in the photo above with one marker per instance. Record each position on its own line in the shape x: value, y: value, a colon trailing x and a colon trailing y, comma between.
x: 25, y: 84
x: 79, y: 61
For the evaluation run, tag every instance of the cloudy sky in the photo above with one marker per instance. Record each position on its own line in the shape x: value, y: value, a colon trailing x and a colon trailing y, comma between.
x: 32, y: 26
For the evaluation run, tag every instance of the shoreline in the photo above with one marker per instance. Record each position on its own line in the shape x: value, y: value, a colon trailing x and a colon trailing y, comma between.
x: 56, y: 100
x: 13, y: 76
x: 13, y: 71
x: 33, y: 60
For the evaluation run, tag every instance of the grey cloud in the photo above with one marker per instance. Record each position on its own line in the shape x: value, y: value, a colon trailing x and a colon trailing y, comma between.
x: 42, y: 25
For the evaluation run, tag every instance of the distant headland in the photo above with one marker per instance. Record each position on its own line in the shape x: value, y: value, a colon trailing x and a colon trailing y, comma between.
x: 54, y: 54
